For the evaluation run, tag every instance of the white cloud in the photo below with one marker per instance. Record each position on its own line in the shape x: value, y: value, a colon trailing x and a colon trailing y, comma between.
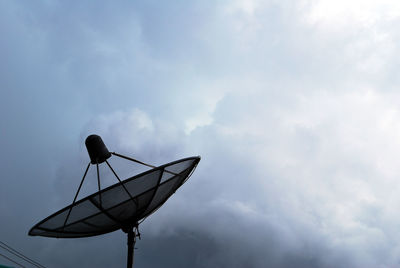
x: 356, y: 13
x: 327, y: 165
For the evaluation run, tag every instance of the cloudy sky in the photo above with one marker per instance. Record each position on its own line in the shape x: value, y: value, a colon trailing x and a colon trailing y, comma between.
x: 293, y: 106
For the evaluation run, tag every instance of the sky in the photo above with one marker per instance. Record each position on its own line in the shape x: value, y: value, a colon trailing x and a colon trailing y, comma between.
x: 293, y: 106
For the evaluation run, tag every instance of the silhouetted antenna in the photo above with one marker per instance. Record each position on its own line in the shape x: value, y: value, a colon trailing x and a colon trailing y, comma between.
x: 123, y: 205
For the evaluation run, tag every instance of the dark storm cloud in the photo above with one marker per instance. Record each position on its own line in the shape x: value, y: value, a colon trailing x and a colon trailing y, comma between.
x: 290, y: 105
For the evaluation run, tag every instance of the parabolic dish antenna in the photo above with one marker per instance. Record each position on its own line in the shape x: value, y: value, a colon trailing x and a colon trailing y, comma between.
x: 122, y: 205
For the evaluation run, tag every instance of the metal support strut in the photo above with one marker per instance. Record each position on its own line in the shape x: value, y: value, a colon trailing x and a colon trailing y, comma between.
x: 133, y: 232
x: 76, y: 195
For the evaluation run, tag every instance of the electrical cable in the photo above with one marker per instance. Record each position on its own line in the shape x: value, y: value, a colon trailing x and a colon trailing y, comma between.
x: 11, y: 260
x: 27, y: 260
x: 20, y: 255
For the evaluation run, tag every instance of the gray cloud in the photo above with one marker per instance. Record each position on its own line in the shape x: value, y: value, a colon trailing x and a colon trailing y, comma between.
x: 292, y: 106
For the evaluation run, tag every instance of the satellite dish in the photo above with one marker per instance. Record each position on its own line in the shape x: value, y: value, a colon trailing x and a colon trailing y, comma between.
x: 123, y: 205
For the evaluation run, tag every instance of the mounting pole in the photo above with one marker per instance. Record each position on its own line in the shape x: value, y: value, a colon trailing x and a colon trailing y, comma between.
x: 131, y: 247
x: 133, y: 232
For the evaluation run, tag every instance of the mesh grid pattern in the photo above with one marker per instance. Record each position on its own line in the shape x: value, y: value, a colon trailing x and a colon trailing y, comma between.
x: 112, y: 208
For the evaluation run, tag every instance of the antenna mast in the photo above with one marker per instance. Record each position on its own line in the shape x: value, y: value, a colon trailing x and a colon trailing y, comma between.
x: 132, y: 233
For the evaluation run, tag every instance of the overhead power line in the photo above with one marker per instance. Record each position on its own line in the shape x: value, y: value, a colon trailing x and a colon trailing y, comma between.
x: 20, y: 255
x: 11, y: 260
